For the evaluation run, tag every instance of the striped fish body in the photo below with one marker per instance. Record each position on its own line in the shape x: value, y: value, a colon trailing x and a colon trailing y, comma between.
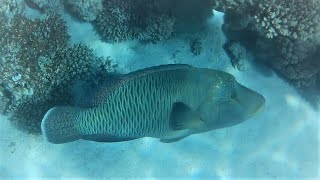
x: 139, y: 104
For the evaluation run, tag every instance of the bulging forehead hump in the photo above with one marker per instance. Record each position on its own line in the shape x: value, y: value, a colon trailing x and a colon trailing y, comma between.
x: 223, y: 80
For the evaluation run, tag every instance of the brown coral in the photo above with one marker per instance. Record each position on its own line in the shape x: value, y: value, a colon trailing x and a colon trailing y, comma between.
x: 150, y: 20
x: 297, y: 62
x: 38, y: 68
x: 24, y: 44
x: 284, y: 34
x: 296, y: 19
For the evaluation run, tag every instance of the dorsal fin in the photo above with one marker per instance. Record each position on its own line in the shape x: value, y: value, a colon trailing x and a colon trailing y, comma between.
x: 90, y: 94
x: 155, y: 69
x: 98, y: 94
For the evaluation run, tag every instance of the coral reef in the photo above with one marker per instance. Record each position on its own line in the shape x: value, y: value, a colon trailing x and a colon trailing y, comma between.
x: 159, y: 28
x: 84, y: 9
x: 296, y: 19
x: 238, y: 55
x: 196, y: 46
x: 29, y: 41
x: 38, y: 68
x: 9, y: 8
x: 69, y: 65
x: 4, y: 99
x: 117, y: 21
x: 45, y: 6
x: 296, y: 60
x: 27, y: 113
x: 150, y: 20
x: 283, y: 34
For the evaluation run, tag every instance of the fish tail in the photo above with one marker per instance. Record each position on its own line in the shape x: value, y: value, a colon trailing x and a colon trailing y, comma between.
x: 58, y: 125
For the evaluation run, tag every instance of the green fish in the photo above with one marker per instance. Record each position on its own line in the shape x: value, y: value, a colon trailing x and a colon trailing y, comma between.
x: 168, y: 102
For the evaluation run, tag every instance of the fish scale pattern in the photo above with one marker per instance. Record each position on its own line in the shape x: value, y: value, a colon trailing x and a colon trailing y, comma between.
x: 141, y: 107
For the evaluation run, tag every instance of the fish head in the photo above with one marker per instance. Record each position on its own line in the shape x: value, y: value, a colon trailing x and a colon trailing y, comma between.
x: 230, y: 103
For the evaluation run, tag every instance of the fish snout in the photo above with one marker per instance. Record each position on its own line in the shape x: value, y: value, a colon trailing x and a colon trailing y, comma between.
x: 252, y: 102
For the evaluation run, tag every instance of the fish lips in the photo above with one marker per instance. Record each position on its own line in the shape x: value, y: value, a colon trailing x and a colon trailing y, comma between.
x: 250, y: 101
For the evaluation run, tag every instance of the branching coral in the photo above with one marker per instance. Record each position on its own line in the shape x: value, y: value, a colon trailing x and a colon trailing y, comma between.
x: 84, y: 9
x: 296, y: 19
x: 38, y: 67
x: 296, y: 61
x: 128, y: 20
x: 9, y: 8
x: 155, y: 22
x: 284, y: 34
x: 149, y: 20
x: 27, y: 113
x: 44, y: 6
x: 58, y: 75
x: 238, y: 55
x: 159, y: 28
x: 24, y: 43
x: 117, y: 21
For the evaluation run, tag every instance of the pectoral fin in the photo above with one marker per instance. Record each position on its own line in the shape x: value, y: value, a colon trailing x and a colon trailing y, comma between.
x: 183, y: 117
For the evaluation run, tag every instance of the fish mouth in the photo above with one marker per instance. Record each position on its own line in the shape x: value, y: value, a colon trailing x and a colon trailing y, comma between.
x: 253, y: 102
x: 258, y: 110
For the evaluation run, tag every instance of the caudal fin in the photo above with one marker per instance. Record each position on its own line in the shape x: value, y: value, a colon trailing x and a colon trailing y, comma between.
x: 58, y: 125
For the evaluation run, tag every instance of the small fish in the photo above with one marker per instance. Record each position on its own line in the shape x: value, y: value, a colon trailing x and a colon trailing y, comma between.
x: 169, y: 102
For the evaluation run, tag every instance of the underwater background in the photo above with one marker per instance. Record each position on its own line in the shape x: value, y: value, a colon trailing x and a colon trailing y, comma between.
x: 48, y: 48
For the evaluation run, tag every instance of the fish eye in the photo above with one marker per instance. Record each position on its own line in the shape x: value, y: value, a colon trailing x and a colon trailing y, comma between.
x: 233, y: 96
